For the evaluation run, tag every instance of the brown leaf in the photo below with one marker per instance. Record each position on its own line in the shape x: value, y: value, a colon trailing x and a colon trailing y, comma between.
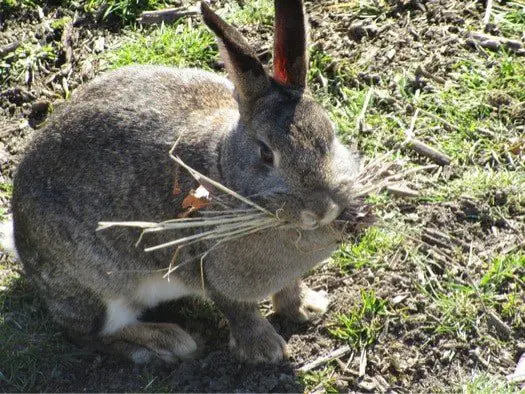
x: 186, y: 213
x: 518, y: 147
x: 197, y: 199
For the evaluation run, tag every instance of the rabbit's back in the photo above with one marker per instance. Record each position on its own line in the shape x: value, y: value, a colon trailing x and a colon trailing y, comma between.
x: 104, y: 156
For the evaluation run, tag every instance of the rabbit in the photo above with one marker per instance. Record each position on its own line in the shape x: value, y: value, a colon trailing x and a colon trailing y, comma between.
x: 103, y: 156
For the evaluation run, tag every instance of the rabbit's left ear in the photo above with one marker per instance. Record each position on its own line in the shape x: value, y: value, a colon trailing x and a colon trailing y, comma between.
x: 244, y: 68
x: 290, y: 61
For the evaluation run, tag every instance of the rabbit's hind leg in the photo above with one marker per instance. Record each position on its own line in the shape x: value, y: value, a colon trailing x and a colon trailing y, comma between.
x: 143, y: 342
x: 299, y: 303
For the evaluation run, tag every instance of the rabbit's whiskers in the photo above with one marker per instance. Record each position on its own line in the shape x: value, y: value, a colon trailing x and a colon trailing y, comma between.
x: 229, y: 223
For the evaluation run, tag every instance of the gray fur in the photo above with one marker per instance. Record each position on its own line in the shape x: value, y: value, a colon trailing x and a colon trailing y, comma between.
x: 104, y: 157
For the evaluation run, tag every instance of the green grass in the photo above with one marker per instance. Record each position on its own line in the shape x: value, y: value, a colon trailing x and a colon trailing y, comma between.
x: 484, y: 383
x: 361, y: 325
x: 512, y: 22
x: 503, y: 269
x: 17, y: 66
x: 495, y: 187
x: 484, y: 96
x: 456, y: 308
x: 125, y: 10
x: 319, y: 380
x: 6, y: 192
x: 181, y: 45
x: 12, y: 6
x: 370, y: 251
x: 253, y: 12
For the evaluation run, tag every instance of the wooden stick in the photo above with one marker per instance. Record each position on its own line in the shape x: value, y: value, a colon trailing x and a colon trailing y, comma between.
x: 427, y: 151
x: 493, y: 42
x: 488, y: 11
x: 360, y: 119
x: 168, y: 15
x: 422, y: 71
x: 401, y: 191
x: 422, y: 148
x: 9, y: 48
x: 324, y: 359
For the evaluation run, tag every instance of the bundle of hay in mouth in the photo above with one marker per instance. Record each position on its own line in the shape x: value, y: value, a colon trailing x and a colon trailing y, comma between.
x: 214, y: 210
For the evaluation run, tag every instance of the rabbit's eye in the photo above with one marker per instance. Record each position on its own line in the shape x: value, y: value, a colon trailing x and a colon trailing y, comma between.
x: 266, y: 153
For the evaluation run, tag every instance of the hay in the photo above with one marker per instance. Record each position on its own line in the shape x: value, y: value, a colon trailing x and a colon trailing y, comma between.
x: 231, y: 222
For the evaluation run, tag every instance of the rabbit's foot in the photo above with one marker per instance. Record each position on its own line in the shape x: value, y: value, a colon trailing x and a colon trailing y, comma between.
x: 145, y: 342
x: 252, y: 337
x: 300, y: 304
x: 258, y: 342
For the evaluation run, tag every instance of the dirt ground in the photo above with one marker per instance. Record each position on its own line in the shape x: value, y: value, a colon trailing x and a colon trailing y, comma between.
x: 422, y: 343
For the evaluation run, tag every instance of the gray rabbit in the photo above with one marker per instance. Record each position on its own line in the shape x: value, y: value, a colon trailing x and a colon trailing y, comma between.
x: 104, y: 157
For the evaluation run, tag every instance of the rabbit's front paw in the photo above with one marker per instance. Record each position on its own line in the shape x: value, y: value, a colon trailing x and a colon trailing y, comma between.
x: 258, y: 343
x: 300, y: 304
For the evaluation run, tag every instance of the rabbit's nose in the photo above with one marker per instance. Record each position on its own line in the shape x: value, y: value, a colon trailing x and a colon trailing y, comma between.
x: 311, y: 220
x: 332, y: 212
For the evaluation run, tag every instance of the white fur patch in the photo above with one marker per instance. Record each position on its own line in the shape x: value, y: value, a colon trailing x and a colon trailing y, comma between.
x: 317, y: 301
x: 7, y: 239
x: 118, y: 314
x: 153, y: 291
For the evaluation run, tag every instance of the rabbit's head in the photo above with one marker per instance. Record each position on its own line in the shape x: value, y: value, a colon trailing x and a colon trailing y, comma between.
x: 284, y: 153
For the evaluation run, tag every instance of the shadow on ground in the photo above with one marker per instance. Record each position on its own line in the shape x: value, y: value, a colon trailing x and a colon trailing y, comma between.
x: 36, y: 355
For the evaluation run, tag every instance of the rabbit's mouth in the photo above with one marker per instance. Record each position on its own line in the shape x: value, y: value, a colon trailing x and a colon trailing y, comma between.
x: 354, y: 220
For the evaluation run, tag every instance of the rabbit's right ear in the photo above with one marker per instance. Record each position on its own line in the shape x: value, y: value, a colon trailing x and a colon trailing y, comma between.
x: 244, y: 68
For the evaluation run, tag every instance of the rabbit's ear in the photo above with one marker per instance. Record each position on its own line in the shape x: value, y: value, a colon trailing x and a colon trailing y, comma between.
x: 244, y: 68
x: 289, y: 52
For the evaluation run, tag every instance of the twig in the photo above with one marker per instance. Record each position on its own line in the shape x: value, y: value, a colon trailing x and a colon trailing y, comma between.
x: 168, y: 15
x: 488, y: 11
x: 361, y: 117
x: 9, y: 48
x: 410, y: 132
x: 434, y: 116
x: 422, y: 71
x: 429, y: 152
x: 201, y: 177
x: 422, y: 148
x: 493, y: 42
x: 493, y: 319
x: 401, y: 191
x: 324, y: 359
x: 67, y: 41
x: 429, y: 235
x: 362, y: 363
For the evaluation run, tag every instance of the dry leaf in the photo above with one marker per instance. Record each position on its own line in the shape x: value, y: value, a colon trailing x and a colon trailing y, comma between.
x: 195, y: 200
x: 518, y: 147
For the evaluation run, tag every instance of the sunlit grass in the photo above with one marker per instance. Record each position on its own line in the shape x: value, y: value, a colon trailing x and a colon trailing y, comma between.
x: 181, y: 45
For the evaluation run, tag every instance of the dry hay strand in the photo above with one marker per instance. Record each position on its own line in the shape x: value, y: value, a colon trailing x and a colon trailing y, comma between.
x: 230, y: 222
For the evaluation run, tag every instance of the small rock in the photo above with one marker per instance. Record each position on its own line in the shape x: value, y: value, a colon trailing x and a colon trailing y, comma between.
x: 98, y: 45
x: 341, y: 385
x: 367, y: 384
